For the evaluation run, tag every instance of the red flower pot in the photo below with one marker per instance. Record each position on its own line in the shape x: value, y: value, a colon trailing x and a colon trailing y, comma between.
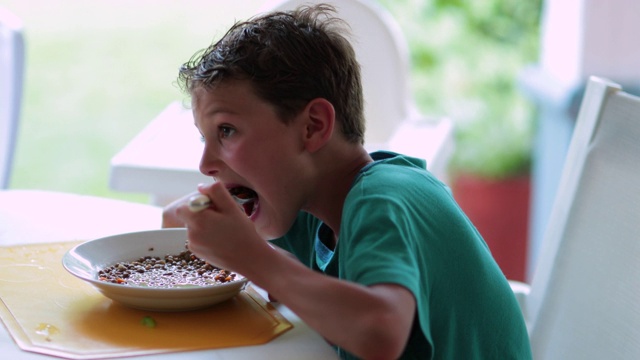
x: 500, y: 211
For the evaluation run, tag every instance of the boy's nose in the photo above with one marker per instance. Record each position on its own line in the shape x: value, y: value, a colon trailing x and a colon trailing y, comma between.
x: 209, y: 165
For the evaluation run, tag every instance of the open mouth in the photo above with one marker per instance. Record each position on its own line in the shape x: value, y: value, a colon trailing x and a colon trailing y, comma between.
x: 246, y: 198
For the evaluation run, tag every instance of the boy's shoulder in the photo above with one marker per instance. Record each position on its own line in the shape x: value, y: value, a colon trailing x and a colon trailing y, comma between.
x: 389, y: 166
x: 393, y: 158
x: 397, y: 174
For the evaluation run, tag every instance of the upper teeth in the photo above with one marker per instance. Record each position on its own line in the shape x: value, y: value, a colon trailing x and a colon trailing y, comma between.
x: 240, y: 200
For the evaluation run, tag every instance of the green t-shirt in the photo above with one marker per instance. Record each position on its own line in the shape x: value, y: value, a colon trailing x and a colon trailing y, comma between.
x: 401, y: 225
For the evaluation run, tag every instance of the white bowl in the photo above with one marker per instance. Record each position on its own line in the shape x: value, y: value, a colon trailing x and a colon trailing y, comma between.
x: 86, y: 259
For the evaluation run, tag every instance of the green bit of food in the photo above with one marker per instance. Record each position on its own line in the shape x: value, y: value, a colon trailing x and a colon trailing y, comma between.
x: 148, y: 322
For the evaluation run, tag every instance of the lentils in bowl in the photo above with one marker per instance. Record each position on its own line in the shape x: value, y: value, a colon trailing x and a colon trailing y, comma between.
x: 98, y: 261
x: 184, y: 269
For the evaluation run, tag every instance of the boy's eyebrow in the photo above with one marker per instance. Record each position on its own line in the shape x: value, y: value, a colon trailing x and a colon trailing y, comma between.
x: 218, y: 110
x: 211, y: 114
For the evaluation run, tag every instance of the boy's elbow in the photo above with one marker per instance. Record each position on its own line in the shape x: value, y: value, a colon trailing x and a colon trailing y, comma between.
x: 382, y: 339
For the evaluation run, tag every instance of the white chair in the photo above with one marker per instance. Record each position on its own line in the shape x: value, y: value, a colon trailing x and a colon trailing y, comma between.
x: 34, y: 216
x: 393, y: 121
x: 11, y: 68
x: 584, y: 299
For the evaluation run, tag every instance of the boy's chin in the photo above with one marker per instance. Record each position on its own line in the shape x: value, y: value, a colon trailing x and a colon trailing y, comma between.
x: 270, y: 233
x: 269, y: 236
x: 274, y: 226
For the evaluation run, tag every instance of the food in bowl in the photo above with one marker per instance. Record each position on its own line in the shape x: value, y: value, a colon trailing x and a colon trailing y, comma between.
x: 170, y: 271
x: 86, y: 260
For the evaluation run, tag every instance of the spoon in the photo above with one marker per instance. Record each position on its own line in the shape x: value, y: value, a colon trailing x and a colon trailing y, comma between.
x: 200, y: 202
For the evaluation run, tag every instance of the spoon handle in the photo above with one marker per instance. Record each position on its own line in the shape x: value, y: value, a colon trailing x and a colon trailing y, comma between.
x: 199, y: 202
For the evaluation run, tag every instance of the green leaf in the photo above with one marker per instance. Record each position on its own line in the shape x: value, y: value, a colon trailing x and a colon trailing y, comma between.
x: 148, y: 321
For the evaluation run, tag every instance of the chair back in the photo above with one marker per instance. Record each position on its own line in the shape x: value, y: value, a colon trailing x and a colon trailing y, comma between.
x: 11, y: 78
x: 382, y: 52
x: 584, y: 301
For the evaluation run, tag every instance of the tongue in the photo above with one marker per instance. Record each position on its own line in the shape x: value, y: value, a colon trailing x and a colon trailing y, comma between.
x: 245, y: 198
x: 248, y: 208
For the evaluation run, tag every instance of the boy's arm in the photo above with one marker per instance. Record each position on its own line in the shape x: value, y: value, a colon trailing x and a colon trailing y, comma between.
x: 371, y: 322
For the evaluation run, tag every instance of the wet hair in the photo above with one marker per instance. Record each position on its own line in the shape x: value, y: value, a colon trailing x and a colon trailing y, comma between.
x: 289, y: 58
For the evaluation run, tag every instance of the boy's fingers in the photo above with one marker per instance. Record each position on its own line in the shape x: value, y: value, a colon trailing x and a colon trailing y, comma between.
x: 218, y: 195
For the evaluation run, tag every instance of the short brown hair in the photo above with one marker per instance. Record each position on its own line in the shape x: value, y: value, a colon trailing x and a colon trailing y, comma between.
x: 290, y: 58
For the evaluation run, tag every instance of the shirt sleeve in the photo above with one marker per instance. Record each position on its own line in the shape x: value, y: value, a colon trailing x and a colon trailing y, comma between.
x: 377, y: 242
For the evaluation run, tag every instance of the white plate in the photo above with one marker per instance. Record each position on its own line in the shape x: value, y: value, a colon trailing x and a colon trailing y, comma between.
x: 86, y: 259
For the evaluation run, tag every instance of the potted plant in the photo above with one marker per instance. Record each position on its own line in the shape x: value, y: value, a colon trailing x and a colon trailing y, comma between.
x: 490, y: 179
x: 466, y: 58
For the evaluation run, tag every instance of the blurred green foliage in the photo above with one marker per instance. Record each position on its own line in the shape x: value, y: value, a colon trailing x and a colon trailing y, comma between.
x: 99, y: 71
x: 466, y: 57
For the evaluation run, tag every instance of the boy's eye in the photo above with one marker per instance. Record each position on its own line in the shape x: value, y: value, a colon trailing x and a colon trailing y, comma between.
x: 226, y: 131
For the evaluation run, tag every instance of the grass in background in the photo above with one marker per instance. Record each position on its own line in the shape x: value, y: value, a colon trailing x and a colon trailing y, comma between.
x: 96, y: 73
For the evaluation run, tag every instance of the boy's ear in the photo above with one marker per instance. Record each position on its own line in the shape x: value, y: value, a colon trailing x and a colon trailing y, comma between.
x: 320, y: 122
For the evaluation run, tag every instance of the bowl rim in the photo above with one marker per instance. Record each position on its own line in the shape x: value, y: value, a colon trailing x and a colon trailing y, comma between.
x: 75, y: 253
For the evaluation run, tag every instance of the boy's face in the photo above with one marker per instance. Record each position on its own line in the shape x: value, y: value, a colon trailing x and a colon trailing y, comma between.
x: 248, y: 146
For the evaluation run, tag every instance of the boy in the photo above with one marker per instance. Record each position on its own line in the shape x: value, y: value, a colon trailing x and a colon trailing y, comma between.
x: 387, y: 264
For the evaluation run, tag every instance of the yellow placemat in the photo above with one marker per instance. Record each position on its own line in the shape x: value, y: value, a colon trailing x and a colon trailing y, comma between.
x: 49, y: 311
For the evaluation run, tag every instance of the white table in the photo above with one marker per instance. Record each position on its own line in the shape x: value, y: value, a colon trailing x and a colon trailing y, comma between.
x: 24, y: 223
x: 300, y: 342
x: 162, y: 160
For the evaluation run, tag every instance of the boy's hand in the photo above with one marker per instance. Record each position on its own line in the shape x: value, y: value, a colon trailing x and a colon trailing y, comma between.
x: 221, y: 234
x: 169, y: 213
